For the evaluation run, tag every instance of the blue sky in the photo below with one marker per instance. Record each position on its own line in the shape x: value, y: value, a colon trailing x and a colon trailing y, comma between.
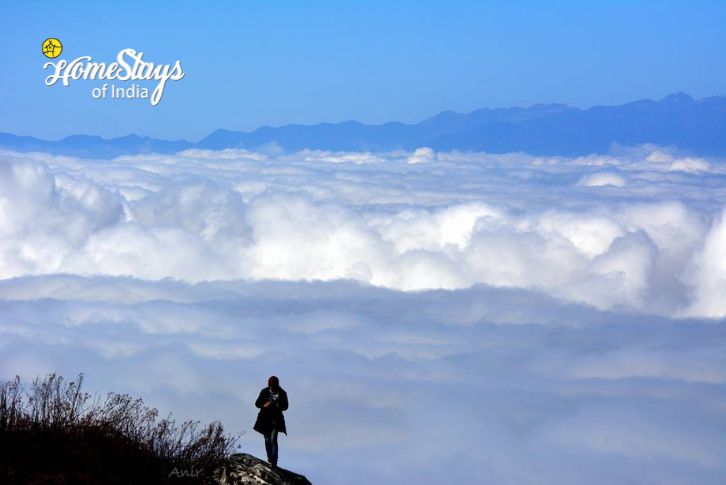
x: 435, y: 317
x: 254, y: 63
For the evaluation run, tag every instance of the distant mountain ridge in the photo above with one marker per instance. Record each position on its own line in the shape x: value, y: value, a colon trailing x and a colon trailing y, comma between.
x: 696, y: 125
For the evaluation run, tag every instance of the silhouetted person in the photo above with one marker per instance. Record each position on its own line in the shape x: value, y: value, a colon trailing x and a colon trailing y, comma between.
x: 270, y: 420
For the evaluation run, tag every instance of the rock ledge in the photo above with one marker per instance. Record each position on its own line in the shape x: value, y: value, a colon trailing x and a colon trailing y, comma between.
x: 244, y: 469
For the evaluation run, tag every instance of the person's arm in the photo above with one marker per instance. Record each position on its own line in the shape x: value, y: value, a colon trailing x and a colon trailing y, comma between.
x: 283, y: 401
x: 261, y: 400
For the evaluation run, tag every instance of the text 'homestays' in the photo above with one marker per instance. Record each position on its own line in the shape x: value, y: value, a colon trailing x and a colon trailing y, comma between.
x: 129, y: 66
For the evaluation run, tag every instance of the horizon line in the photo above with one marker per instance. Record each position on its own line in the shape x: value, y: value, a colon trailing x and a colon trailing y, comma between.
x: 350, y: 120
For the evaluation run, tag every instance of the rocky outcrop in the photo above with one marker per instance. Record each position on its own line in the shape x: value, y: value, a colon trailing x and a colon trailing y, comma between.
x: 244, y: 469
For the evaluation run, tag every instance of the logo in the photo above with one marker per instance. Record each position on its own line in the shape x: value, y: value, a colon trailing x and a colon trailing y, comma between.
x: 52, y: 47
x: 133, y: 76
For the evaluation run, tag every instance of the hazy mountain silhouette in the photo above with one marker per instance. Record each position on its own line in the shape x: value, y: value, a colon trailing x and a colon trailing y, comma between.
x: 543, y: 129
x: 93, y: 146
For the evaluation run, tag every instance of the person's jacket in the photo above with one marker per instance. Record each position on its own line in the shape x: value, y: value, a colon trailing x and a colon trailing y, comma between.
x: 271, y: 416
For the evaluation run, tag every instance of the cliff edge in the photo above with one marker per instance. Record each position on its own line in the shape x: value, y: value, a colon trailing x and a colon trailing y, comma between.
x: 244, y: 469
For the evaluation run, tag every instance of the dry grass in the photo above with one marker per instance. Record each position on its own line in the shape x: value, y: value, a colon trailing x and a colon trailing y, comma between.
x: 53, y: 432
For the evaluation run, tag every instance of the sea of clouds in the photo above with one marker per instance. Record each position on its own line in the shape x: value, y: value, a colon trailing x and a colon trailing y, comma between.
x: 434, y: 317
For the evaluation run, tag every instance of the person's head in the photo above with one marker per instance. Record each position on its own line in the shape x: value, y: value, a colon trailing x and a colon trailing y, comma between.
x: 273, y: 382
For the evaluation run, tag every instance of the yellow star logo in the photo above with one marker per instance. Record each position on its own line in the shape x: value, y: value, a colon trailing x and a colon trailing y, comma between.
x: 52, y: 47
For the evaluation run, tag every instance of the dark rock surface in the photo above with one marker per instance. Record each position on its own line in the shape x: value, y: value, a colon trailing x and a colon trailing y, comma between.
x: 244, y: 469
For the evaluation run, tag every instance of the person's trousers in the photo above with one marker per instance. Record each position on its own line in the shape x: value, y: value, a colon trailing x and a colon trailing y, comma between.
x: 271, y: 446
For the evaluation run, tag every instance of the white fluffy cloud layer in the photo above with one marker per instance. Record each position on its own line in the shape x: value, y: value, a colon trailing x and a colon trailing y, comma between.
x: 435, y: 317
x: 478, y: 385
x: 628, y: 231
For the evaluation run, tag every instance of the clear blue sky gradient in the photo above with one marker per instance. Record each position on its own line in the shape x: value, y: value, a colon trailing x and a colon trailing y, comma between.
x: 254, y: 63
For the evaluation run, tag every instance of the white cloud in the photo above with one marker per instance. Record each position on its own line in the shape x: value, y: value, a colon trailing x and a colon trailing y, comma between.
x: 708, y: 272
x: 501, y: 383
x: 675, y: 163
x: 602, y: 179
x: 422, y: 155
x: 690, y: 165
x: 463, y: 219
x: 475, y: 318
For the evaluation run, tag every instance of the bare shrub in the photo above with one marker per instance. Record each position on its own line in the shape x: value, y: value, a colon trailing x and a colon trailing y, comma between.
x: 53, y: 430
